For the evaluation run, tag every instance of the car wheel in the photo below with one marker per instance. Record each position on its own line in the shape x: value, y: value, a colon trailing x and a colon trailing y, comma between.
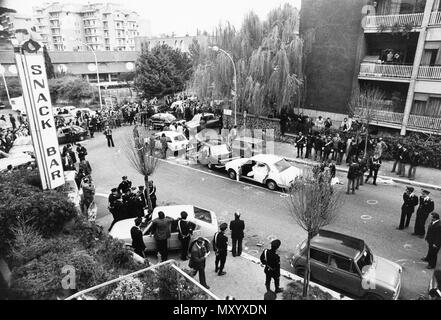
x: 81, y: 138
x: 371, y: 296
x: 232, y: 174
x: 175, y: 154
x: 271, y: 185
x: 210, y: 166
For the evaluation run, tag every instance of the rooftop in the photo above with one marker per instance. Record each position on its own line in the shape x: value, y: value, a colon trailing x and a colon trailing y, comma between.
x: 338, y: 243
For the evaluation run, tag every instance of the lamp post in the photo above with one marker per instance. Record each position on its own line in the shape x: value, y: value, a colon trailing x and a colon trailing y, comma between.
x: 216, y: 48
x: 2, y: 71
x: 97, y: 73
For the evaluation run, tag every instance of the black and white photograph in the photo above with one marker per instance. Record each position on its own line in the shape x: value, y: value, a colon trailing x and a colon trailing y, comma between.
x: 198, y: 151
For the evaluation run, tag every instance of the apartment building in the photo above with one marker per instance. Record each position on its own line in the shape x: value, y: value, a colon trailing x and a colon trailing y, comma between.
x: 95, y: 26
x: 392, y: 45
x: 11, y: 21
x: 181, y: 43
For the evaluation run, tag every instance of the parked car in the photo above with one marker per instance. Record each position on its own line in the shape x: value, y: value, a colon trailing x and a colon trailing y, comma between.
x: 17, y: 160
x: 214, y: 155
x: 202, y: 121
x: 346, y: 264
x: 205, y: 221
x: 65, y: 134
x: 71, y: 188
x: 160, y: 120
x: 23, y: 145
x: 175, y: 141
x: 267, y: 169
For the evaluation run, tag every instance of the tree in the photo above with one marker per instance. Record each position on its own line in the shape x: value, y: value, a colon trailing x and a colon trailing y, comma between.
x: 70, y: 88
x: 14, y: 88
x: 137, y: 153
x: 365, y: 104
x: 313, y: 203
x: 127, y: 78
x: 162, y: 71
x: 48, y: 64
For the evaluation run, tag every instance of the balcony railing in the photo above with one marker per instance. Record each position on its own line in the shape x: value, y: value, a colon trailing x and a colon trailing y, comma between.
x: 435, y: 18
x: 429, y: 72
x: 387, y: 21
x: 379, y: 70
x: 424, y: 123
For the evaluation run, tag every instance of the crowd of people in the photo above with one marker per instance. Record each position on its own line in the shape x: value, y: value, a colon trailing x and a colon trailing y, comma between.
x: 17, y: 127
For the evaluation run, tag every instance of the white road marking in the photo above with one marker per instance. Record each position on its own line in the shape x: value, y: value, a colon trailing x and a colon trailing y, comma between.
x: 253, y: 252
x: 366, y: 217
x: 271, y: 237
x: 371, y: 201
x: 218, y: 176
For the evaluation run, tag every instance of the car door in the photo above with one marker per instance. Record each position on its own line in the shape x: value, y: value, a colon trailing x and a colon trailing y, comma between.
x: 343, y: 275
x: 173, y: 241
x: 148, y: 238
x: 319, y: 262
x: 261, y: 172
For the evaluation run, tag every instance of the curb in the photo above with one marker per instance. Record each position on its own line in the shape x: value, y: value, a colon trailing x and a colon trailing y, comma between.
x: 397, y: 180
x: 294, y: 277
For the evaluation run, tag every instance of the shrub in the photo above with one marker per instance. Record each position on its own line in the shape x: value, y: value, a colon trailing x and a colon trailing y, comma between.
x: 114, y: 254
x: 127, y: 289
x: 294, y: 291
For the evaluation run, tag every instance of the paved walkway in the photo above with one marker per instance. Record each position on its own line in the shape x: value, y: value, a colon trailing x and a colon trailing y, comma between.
x: 425, y: 177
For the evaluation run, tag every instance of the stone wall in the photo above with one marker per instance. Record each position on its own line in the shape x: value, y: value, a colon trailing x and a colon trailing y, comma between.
x: 253, y: 122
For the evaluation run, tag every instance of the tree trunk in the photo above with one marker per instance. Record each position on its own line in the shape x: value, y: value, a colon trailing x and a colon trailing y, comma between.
x: 149, y: 201
x: 366, y: 139
x: 307, y: 269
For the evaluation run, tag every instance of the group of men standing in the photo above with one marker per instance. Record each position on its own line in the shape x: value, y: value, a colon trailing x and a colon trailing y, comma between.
x: 426, y: 206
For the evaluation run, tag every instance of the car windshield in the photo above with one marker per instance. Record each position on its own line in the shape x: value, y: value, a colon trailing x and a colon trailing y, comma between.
x: 203, y: 215
x: 179, y: 138
x: 365, y: 261
x: 282, y: 165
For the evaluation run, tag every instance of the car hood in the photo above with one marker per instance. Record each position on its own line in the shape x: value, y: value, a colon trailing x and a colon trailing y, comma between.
x: 287, y: 176
x: 385, y: 273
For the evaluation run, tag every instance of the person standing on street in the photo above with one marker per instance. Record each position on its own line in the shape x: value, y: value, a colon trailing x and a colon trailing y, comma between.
x: 152, y: 194
x: 161, y: 228
x: 125, y: 185
x: 397, y: 156
x: 425, y: 208
x: 433, y: 239
x: 414, y: 162
x: 220, y: 247
x: 271, y: 260
x: 185, y: 230
x: 137, y: 241
x: 237, y: 227
x: 13, y: 122
x: 352, y: 175
x: 300, y: 143
x: 318, y: 148
x: 408, y: 207
x: 198, y: 255
x: 309, y: 146
x: 374, y: 165
x: 404, y: 158
x: 82, y: 152
x: 109, y: 137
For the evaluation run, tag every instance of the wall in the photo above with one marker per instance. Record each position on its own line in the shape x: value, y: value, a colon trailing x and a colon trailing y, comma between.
x: 331, y: 30
x: 253, y: 122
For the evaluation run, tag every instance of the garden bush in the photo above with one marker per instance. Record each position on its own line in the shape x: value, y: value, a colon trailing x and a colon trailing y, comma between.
x: 294, y: 291
x: 127, y: 289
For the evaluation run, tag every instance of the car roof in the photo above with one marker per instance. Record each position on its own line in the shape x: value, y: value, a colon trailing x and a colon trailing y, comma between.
x: 267, y: 158
x: 174, y: 211
x: 169, y: 133
x: 338, y: 243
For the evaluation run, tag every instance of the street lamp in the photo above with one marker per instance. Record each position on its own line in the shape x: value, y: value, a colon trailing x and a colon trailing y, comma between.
x: 2, y: 71
x: 97, y: 73
x: 216, y: 49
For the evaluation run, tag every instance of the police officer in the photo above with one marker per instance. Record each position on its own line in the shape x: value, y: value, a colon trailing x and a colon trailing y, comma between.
x: 82, y: 152
x: 140, y: 202
x: 341, y: 147
x: 125, y: 185
x: 426, y: 206
x: 237, y: 226
x: 185, y: 230
x: 374, y: 165
x: 433, y: 239
x: 152, y: 193
x: 220, y: 246
x: 271, y: 260
x: 408, y: 207
x: 318, y: 147
x: 309, y: 145
x: 300, y: 143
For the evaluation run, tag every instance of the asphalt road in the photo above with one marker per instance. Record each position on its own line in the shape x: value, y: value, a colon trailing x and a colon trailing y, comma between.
x: 372, y: 214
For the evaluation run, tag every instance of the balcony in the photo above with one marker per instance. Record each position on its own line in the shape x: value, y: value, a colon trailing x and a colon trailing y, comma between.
x: 386, y: 72
x: 435, y: 18
x: 429, y: 72
x: 395, y: 120
x: 388, y: 22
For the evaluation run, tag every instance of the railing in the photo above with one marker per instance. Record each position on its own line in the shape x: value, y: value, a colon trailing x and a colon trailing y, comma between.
x: 415, y: 121
x: 390, y: 20
x: 378, y: 70
x: 429, y: 72
x: 180, y: 274
x: 435, y: 18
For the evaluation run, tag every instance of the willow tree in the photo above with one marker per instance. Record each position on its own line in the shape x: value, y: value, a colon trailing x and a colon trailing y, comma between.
x: 268, y: 56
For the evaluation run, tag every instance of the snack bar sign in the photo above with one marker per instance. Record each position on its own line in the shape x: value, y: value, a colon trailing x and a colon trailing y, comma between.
x: 32, y: 72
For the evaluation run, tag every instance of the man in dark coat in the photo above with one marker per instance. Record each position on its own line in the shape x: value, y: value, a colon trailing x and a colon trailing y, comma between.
x: 185, y: 230
x: 341, y: 148
x: 220, y: 247
x: 404, y: 158
x: 137, y: 241
x: 408, y: 207
x: 82, y: 152
x: 425, y: 208
x: 397, y: 156
x: 352, y: 176
x: 125, y: 185
x: 319, y: 147
x: 271, y: 260
x: 109, y: 137
x: 237, y: 226
x: 198, y: 255
x: 414, y: 161
x: 161, y: 228
x: 433, y: 239
x: 300, y: 143
x: 309, y: 145
x: 374, y: 165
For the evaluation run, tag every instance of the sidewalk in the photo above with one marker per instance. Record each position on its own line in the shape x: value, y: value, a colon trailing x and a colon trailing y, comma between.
x: 425, y: 177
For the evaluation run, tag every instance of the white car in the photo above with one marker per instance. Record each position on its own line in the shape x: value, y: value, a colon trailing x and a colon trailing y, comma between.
x: 71, y: 188
x: 267, y: 169
x: 16, y: 160
x: 205, y: 221
x: 175, y: 141
x: 23, y: 145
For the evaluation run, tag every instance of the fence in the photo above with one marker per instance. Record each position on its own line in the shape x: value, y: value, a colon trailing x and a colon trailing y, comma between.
x: 182, y: 285
x: 429, y: 72
x: 373, y: 21
x: 371, y: 69
x: 435, y: 18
